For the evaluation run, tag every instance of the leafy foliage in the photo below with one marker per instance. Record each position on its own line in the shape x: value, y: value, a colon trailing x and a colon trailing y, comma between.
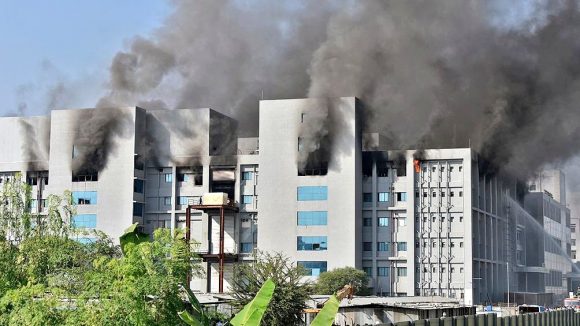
x: 290, y: 293
x: 253, y: 312
x: 332, y: 281
x: 326, y: 316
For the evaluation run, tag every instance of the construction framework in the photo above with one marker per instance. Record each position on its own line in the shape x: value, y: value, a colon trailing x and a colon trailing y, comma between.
x: 210, y: 257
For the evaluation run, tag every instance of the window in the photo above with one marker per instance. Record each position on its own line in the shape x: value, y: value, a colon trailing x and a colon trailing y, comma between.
x: 248, y: 199
x: 401, y: 196
x: 383, y: 221
x: 33, y: 203
x: 401, y: 271
x: 452, y: 269
x: 382, y: 246
x: 573, y: 228
x: 311, y: 193
x: 137, y: 209
x: 367, y: 197
x: 450, y: 169
x: 248, y: 175
x: 313, y: 268
x: 302, y: 116
x: 383, y: 196
x: 382, y: 171
x: 367, y: 246
x: 312, y: 243
x: 299, y: 144
x: 401, y: 246
x: 573, y: 254
x: 184, y: 200
x: 84, y: 221
x: 138, y: 186
x: 434, y: 194
x: 382, y: 271
x: 402, y: 221
x: 452, y: 244
x: 460, y: 168
x: 573, y: 242
x: 460, y: 269
x: 442, y: 169
x: 424, y: 194
x: 434, y: 168
x: 246, y: 247
x: 461, y: 245
x: 85, y: 197
x: 443, y: 194
x: 306, y: 218
x: 461, y: 194
x: 167, y: 201
x: 168, y: 177
x: 368, y: 271
x: 367, y: 221
x: 451, y: 194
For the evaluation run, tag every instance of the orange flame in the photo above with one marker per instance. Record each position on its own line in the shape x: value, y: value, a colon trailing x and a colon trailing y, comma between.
x: 417, y: 165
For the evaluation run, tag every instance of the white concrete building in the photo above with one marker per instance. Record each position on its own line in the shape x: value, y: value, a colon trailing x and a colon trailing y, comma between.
x: 433, y: 222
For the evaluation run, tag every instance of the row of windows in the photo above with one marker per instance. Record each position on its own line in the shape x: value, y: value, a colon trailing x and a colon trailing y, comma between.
x: 384, y: 246
x: 312, y: 243
x: 383, y: 197
x: 442, y: 168
x: 442, y: 218
x: 442, y: 245
x: 383, y: 221
x: 442, y: 270
x: 312, y: 193
x: 384, y: 271
x: 85, y: 221
x: 313, y: 268
x: 307, y: 218
x: 442, y: 194
x: 85, y: 197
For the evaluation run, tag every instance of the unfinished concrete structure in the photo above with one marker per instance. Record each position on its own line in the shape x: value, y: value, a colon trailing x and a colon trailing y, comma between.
x: 430, y: 222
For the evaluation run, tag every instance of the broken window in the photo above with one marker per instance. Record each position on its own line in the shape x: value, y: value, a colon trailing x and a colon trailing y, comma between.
x: 314, y: 169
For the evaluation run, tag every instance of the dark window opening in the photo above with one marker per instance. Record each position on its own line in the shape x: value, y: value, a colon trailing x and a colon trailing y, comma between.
x: 382, y: 171
x: 86, y: 175
x: 223, y: 180
x: 314, y: 169
x: 138, y: 186
x: 139, y: 165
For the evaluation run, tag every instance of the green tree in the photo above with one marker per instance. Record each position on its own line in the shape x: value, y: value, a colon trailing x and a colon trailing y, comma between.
x: 332, y: 281
x: 290, y: 294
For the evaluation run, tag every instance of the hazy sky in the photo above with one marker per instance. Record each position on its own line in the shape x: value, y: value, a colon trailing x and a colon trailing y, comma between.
x: 68, y: 41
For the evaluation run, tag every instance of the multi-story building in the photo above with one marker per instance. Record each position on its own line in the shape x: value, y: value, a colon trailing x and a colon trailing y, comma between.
x: 429, y: 222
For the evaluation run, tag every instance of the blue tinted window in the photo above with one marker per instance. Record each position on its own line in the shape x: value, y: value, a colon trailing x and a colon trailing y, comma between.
x: 367, y: 221
x: 168, y: 177
x: 401, y: 246
x: 368, y: 271
x: 383, y: 271
x: 312, y: 243
x: 312, y: 218
x: 137, y: 209
x: 85, y: 240
x: 247, y: 175
x: 83, y: 221
x: 367, y: 197
x: 246, y: 247
x: 184, y: 200
x: 313, y: 268
x: 85, y: 197
x: 383, y: 221
x: 167, y: 201
x: 308, y: 193
x: 367, y: 246
x: 382, y: 246
x: 138, y: 186
x: 383, y: 196
x: 248, y: 199
x: 33, y: 203
x: 401, y: 271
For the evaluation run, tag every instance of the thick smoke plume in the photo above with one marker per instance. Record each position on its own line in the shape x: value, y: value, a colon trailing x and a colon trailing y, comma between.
x: 433, y: 73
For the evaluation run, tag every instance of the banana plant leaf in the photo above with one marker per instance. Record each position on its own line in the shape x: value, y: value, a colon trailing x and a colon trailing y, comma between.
x: 131, y: 235
x: 199, y: 318
x: 253, y: 312
x: 326, y: 316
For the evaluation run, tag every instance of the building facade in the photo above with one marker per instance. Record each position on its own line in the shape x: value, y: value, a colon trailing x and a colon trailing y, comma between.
x: 419, y: 223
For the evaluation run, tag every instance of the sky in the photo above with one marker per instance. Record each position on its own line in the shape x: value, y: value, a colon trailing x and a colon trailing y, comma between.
x: 44, y: 43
